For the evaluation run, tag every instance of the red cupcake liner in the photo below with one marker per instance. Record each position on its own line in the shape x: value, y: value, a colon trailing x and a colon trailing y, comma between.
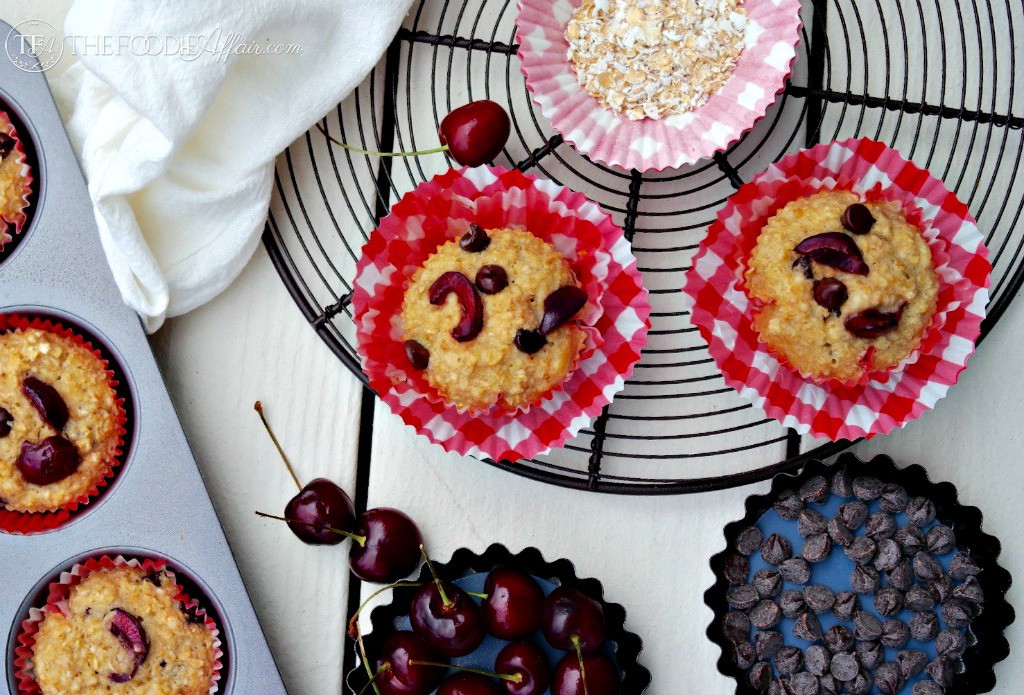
x: 723, y: 312
x: 58, y: 593
x: 440, y: 210
x: 674, y: 141
x: 19, y: 522
x: 8, y: 127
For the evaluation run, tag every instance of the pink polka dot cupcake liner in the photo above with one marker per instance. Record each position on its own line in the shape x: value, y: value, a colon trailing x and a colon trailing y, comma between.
x: 772, y: 34
x: 723, y: 312
x: 56, y: 601
x: 616, y: 319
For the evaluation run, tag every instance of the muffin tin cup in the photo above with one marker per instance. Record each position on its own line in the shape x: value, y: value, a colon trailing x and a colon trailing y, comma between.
x: 987, y: 630
x: 20, y: 522
x: 57, y: 595
x: 440, y: 210
x: 714, y: 293
x: 18, y: 225
x: 674, y: 141
x: 625, y: 646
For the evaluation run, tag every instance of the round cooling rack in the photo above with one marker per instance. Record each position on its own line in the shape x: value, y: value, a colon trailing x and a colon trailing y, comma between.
x: 932, y: 78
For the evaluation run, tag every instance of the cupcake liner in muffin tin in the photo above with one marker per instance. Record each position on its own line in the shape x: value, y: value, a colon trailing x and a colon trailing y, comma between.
x: 468, y: 569
x: 11, y: 230
x: 987, y: 643
x: 54, y: 598
x: 156, y: 506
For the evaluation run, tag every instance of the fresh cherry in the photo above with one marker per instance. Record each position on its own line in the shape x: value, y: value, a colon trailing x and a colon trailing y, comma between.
x: 475, y: 240
x: 472, y: 321
x: 858, y: 219
x: 529, y: 663
x: 491, y: 279
x: 835, y: 250
x: 396, y: 675
x: 560, y: 306
x: 830, y: 294
x: 466, y: 683
x: 872, y: 323
x: 602, y: 677
x: 319, y: 511
x: 49, y: 461
x: 476, y: 132
x: 6, y: 422
x: 572, y: 619
x: 389, y: 547
x: 515, y: 604
x: 129, y: 632
x: 447, y: 619
x: 417, y: 354
x: 45, y: 399
x: 529, y: 341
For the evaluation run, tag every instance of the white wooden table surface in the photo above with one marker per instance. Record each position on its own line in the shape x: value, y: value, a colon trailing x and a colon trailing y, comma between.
x: 651, y: 553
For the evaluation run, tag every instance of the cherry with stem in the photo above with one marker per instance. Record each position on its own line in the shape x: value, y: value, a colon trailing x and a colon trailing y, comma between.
x: 445, y: 616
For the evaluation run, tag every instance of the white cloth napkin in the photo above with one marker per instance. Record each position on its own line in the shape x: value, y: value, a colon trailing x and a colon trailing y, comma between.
x: 179, y: 154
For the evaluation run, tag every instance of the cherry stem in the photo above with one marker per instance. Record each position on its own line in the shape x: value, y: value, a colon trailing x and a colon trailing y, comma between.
x: 361, y: 540
x: 384, y: 668
x: 510, y: 677
x: 353, y: 622
x: 480, y: 596
x: 583, y: 669
x: 258, y: 407
x: 437, y: 580
x: 374, y: 153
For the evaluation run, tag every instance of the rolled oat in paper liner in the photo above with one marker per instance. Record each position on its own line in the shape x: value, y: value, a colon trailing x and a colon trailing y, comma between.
x: 59, y: 592
x: 440, y: 210
x: 20, y: 522
x: 772, y: 34
x: 723, y: 312
x: 14, y: 220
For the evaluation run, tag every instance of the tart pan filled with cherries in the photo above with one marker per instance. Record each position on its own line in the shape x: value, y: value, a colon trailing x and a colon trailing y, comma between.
x: 496, y: 623
x: 859, y: 578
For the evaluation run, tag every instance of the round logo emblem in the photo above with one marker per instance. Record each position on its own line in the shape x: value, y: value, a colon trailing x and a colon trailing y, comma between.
x: 34, y: 45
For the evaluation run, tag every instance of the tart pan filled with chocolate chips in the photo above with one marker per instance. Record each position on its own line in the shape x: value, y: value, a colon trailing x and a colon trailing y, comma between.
x: 859, y: 578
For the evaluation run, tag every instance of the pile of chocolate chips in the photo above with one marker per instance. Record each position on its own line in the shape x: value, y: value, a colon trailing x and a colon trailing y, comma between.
x: 895, y: 570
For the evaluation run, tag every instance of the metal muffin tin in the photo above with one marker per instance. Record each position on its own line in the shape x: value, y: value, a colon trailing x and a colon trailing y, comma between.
x: 156, y: 505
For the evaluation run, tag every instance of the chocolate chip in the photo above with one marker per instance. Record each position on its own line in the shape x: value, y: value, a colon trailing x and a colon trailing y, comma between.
x: 767, y: 643
x: 950, y: 642
x: 862, y: 550
x: 804, y: 684
x: 924, y: 626
x: 819, y: 599
x: 857, y: 218
x: 760, y: 676
x: 911, y: 663
x: 475, y: 240
x: 920, y: 511
x: 957, y: 613
x: 888, y: 601
x: 853, y: 514
x: 742, y: 597
x: 736, y: 569
x: 830, y: 294
x: 789, y: 660
x: 888, y: 678
x: 736, y: 626
x: 846, y: 605
x: 940, y: 540
x: 910, y: 538
x: 792, y: 603
x: 749, y: 540
x: 814, y: 489
x: 902, y: 575
x: 845, y: 667
x: 788, y: 504
x: 864, y: 579
x: 870, y: 653
x: 491, y: 279
x: 6, y: 422
x: 829, y: 685
x: 743, y: 654
x: 417, y: 354
x: 839, y: 533
x: 765, y: 614
x: 894, y: 498
x: 776, y: 549
x: 941, y: 589
x: 842, y: 483
x: 796, y: 570
x: 838, y: 638
x: 926, y: 568
x: 867, y: 488
x: 861, y: 685
x: 941, y: 671
x: 817, y: 548
x: 6, y: 144
x: 817, y: 660
x: 768, y: 583
x: 866, y: 626
x: 888, y: 554
x: 927, y: 688
x: 919, y: 599
x: 529, y: 341
x: 807, y: 627
x: 895, y: 633
x: 970, y: 590
x: 880, y: 525
x: 811, y: 523
x: 963, y: 566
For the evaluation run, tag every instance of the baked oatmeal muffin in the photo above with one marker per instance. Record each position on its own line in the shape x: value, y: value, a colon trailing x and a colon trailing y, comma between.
x: 488, y: 317
x: 123, y: 631
x: 846, y: 287
x: 15, y: 180
x: 59, y: 420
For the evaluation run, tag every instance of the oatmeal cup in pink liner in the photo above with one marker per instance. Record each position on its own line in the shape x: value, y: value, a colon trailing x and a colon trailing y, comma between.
x: 768, y: 33
x: 723, y: 311
x: 614, y: 320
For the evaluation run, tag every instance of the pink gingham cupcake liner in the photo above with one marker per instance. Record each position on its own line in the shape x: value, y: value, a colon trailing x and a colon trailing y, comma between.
x: 674, y: 141
x: 441, y: 210
x: 723, y: 312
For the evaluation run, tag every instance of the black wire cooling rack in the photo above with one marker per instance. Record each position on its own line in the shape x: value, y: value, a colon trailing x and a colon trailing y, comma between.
x: 933, y: 78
